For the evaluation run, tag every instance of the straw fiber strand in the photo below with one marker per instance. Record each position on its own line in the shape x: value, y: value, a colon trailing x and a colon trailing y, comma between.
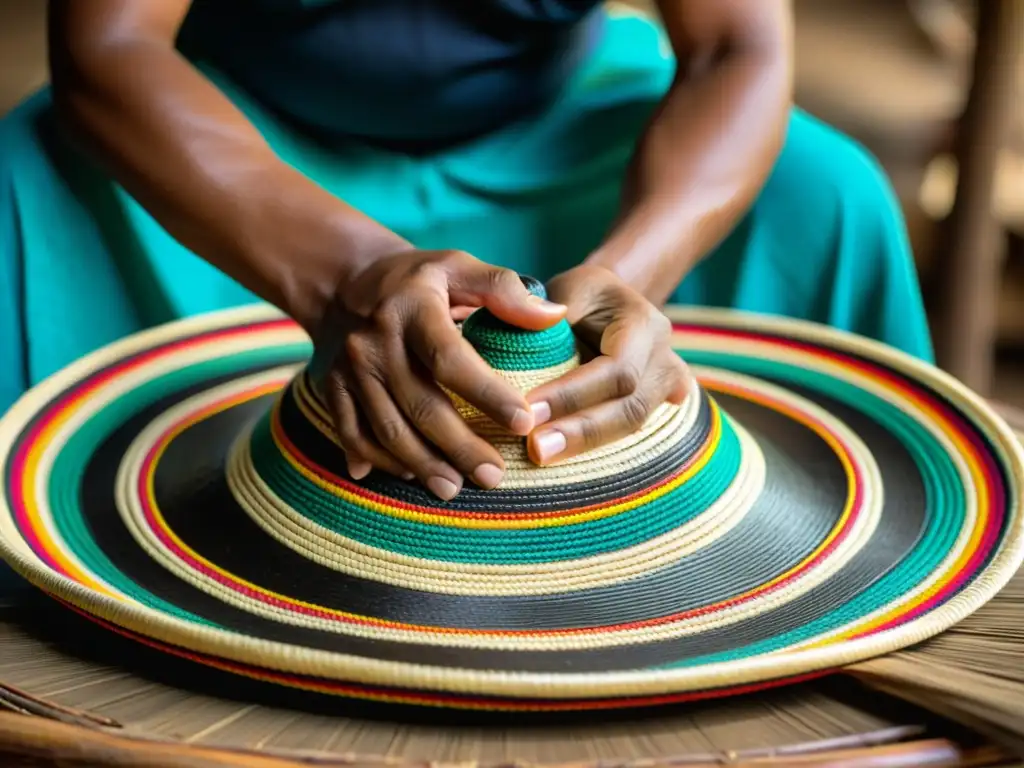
x: 973, y: 672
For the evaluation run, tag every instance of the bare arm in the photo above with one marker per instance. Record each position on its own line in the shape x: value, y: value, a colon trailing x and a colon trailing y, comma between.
x: 379, y: 310
x: 709, y: 149
x: 194, y: 161
x: 698, y: 167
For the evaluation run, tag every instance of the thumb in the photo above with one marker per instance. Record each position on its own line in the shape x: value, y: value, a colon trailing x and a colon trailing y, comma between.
x: 507, y: 297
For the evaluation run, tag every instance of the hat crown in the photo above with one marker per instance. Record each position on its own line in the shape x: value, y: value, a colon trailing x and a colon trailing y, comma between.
x: 524, y: 357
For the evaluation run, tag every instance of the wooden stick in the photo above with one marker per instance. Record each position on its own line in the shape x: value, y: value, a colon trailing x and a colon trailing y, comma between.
x: 33, y: 738
x: 62, y: 744
x: 15, y: 698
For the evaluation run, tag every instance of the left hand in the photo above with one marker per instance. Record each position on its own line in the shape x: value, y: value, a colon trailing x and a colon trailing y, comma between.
x: 612, y: 395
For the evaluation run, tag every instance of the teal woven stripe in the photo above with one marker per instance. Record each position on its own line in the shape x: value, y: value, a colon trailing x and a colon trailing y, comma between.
x: 64, y: 487
x: 508, y: 348
x: 512, y: 349
x: 944, y: 492
x: 472, y: 545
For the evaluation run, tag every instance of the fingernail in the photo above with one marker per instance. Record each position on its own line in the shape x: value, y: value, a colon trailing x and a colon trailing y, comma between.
x: 357, y: 470
x: 443, y: 488
x: 550, y: 444
x: 408, y: 476
x: 487, y: 476
x: 521, y: 422
x: 541, y: 412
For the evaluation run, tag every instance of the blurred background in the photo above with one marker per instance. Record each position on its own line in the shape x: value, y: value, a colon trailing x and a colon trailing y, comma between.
x: 934, y: 88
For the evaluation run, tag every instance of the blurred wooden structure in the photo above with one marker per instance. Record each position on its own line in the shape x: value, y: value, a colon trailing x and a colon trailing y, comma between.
x: 932, y: 88
x: 970, y: 263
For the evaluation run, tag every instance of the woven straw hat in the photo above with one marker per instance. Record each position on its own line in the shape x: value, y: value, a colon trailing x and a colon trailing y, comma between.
x: 818, y: 499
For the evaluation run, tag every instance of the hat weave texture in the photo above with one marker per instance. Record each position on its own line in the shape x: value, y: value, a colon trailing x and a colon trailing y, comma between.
x: 817, y: 499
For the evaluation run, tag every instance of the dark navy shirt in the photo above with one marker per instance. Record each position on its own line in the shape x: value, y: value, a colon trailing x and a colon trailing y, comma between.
x: 405, y: 73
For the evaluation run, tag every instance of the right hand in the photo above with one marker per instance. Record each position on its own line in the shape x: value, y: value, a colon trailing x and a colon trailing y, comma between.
x: 386, y: 343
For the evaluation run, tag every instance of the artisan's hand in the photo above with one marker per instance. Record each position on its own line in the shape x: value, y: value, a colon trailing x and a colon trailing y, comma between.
x: 388, y: 341
x: 611, y: 396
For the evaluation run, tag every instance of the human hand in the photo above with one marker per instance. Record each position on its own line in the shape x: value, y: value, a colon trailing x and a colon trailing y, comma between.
x: 610, y: 396
x: 386, y: 343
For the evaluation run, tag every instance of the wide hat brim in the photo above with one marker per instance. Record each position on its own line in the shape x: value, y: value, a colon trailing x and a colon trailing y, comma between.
x: 866, y: 502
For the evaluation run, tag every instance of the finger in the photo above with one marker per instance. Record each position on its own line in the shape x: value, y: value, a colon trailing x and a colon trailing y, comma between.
x: 432, y: 413
x: 587, y: 430
x: 593, y: 383
x: 462, y: 312
x: 397, y: 437
x: 358, y: 468
x: 502, y: 292
x: 602, y: 424
x: 683, y: 380
x: 454, y: 364
x: 362, y: 452
x: 626, y: 348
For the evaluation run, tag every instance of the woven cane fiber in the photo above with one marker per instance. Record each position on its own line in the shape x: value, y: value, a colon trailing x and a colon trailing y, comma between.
x: 817, y: 501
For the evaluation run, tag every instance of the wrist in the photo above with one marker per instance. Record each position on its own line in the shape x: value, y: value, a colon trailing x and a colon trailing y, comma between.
x: 650, y: 250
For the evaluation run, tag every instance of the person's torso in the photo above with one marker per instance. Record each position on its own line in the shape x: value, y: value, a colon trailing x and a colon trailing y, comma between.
x: 406, y: 73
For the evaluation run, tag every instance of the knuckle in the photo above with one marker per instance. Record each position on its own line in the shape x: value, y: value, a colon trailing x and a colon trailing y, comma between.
x: 428, y: 270
x: 437, y: 357
x: 388, y: 315
x: 503, y: 280
x: 651, y: 317
x: 349, y: 435
x: 635, y: 410
x: 338, y: 394
x: 677, y: 370
x: 423, y: 410
x: 390, y: 432
x: 626, y: 378
x: 671, y: 371
x: 684, y: 370
x: 590, y: 432
x: 659, y: 323
x: 335, y: 384
x: 359, y: 351
x: 568, y: 400
x: 446, y: 363
x: 454, y: 259
x: 456, y: 255
x: 345, y: 425
x: 463, y: 454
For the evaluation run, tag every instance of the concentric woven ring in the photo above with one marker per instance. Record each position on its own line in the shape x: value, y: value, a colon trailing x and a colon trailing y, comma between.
x: 819, y: 500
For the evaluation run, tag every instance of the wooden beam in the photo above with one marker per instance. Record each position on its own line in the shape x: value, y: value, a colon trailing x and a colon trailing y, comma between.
x: 970, y: 264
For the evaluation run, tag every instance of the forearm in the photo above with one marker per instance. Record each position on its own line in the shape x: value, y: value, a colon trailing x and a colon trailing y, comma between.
x: 699, y: 166
x: 206, y: 174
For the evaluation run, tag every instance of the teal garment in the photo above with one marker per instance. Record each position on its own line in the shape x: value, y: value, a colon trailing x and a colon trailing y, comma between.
x: 81, y: 263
